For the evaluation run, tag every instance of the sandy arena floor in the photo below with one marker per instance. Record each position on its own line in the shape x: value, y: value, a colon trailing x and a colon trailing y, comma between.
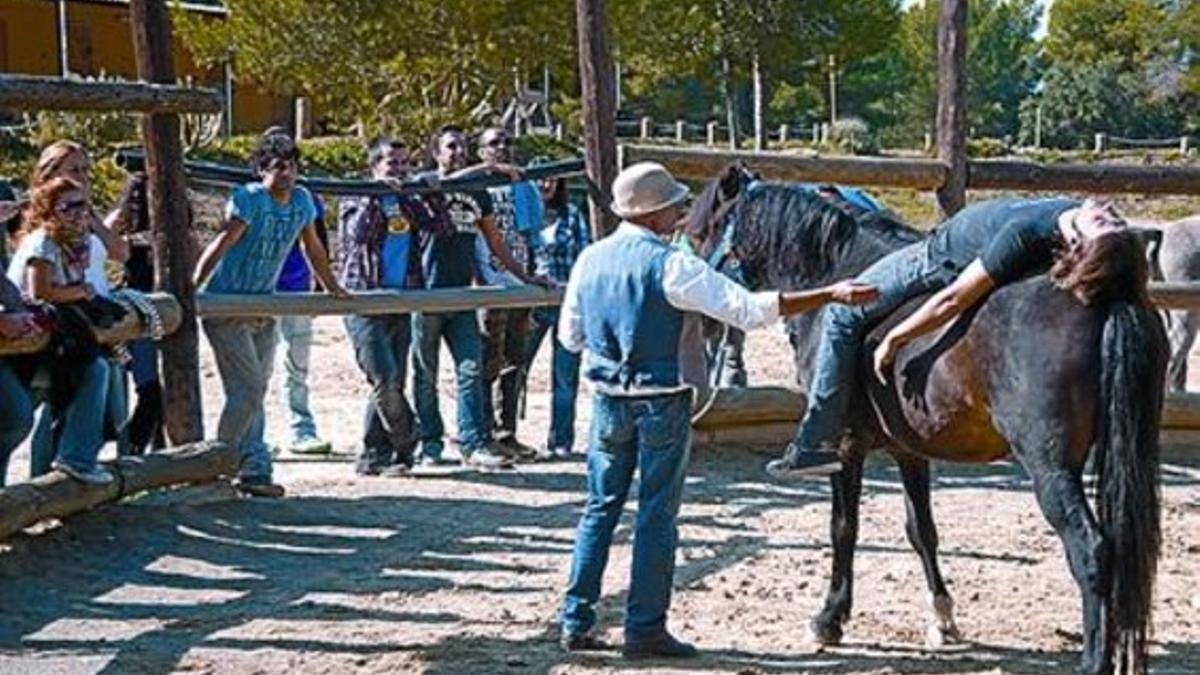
x: 461, y: 572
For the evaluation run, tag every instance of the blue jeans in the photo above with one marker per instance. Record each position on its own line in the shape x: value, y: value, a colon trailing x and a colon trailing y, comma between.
x: 564, y: 377
x: 461, y: 332
x: 244, y: 350
x: 43, y: 447
x: 75, y: 435
x: 652, y: 434
x: 899, y: 276
x: 16, y: 415
x: 297, y: 334
x: 381, y: 346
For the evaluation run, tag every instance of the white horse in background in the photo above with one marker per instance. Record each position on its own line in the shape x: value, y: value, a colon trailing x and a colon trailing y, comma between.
x: 1179, y: 258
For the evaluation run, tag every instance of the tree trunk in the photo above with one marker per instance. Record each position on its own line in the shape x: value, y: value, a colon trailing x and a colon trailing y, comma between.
x: 170, y: 218
x: 756, y: 71
x: 596, y: 76
x: 727, y: 89
x: 952, y: 105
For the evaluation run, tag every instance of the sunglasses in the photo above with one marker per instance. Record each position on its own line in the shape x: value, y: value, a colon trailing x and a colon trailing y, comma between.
x: 500, y: 143
x: 76, y: 206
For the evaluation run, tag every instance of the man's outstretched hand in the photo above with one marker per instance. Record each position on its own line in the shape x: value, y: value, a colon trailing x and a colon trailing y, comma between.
x: 853, y: 293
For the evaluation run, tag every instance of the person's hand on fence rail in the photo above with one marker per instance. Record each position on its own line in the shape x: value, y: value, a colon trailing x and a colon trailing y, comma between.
x: 542, y: 281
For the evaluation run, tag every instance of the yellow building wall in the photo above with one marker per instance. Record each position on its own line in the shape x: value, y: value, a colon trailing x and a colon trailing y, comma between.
x: 100, y: 41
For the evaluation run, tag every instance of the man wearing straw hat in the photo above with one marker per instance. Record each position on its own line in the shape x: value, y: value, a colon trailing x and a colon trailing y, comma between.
x: 624, y: 309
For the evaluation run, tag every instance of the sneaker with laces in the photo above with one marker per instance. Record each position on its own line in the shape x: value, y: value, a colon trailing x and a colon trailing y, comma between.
x: 487, y: 458
x: 96, y: 475
x: 260, y: 487
x: 804, y: 463
x: 311, y: 446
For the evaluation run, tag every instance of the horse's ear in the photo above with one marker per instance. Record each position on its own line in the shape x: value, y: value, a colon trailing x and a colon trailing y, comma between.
x: 731, y: 181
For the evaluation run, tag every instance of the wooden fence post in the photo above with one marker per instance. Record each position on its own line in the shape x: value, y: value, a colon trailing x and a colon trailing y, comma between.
x: 952, y: 105
x: 711, y: 133
x: 679, y: 130
x: 1098, y: 147
x: 783, y: 134
x: 1183, y: 145
x: 596, y: 81
x: 170, y: 218
x: 647, y: 130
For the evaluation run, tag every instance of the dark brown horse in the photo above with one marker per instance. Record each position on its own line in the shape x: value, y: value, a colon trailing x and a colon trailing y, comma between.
x: 1030, y: 371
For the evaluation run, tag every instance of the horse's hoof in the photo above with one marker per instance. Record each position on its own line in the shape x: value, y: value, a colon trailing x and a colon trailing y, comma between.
x: 825, y: 635
x: 937, y: 637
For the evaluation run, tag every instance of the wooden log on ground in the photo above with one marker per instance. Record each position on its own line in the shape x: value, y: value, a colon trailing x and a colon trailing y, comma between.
x: 56, y: 496
x: 703, y: 164
x: 739, y: 406
x: 706, y: 164
x: 214, y: 305
x: 129, y: 328
x: 767, y: 433
x: 26, y: 92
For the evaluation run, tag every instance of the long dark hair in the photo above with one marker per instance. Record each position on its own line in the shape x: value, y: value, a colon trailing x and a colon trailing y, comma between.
x: 1103, y: 269
x: 133, y: 206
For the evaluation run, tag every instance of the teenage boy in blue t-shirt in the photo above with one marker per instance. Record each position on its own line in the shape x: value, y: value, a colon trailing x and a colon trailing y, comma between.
x: 262, y: 222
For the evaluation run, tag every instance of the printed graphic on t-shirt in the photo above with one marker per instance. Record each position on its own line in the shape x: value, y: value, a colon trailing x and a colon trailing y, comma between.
x: 465, y: 212
x: 397, y: 223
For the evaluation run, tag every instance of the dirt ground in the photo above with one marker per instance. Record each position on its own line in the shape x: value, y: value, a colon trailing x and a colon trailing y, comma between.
x: 462, y: 572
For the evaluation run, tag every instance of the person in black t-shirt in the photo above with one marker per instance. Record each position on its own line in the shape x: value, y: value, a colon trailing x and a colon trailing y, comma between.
x: 985, y: 245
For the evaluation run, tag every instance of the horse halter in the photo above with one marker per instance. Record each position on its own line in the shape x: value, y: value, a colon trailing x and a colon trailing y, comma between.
x: 725, y: 213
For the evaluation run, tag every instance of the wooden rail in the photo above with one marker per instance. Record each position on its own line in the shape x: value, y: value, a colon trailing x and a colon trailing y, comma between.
x: 214, y: 305
x: 27, y: 92
x: 924, y: 174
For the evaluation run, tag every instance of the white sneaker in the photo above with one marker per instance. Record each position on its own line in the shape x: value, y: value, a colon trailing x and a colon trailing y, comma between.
x: 97, y: 475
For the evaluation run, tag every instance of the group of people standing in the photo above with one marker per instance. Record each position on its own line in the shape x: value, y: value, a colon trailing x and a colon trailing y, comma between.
x: 514, y: 234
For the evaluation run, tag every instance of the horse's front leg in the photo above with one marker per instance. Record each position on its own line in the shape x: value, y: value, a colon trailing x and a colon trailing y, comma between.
x: 922, y: 534
x: 843, y: 530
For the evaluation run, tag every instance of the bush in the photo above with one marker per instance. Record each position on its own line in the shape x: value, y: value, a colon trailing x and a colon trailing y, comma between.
x: 853, y: 135
x: 987, y: 147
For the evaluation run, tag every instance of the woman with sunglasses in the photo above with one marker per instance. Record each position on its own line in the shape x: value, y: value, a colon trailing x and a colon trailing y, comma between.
x: 50, y: 265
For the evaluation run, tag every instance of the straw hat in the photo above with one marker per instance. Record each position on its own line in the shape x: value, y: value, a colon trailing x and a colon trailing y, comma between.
x: 644, y: 188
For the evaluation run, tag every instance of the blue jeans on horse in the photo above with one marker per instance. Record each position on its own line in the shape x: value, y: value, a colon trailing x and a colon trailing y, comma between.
x: 564, y: 377
x: 461, y: 332
x: 899, y: 276
x: 381, y: 345
x: 16, y: 415
x: 653, y: 435
x: 244, y: 350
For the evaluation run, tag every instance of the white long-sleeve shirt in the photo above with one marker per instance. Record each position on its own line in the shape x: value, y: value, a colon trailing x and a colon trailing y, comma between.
x: 689, y: 284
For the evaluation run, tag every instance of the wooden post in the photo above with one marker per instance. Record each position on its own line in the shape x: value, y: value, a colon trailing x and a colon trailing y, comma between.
x: 928, y: 143
x: 560, y: 132
x: 646, y: 132
x: 170, y: 217
x: 304, y: 121
x: 783, y: 134
x: 599, y: 108
x: 816, y: 133
x: 1099, y: 144
x: 1183, y: 146
x: 711, y: 133
x: 680, y: 127
x: 952, y: 105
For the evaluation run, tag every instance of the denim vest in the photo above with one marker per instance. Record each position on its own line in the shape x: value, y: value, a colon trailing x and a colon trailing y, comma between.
x: 631, y: 332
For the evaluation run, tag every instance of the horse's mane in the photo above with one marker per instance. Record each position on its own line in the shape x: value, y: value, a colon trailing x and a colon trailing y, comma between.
x: 803, y: 234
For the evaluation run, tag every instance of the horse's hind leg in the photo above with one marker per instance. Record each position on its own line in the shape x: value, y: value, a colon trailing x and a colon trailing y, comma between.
x: 1183, y: 328
x: 1060, y: 494
x: 843, y: 531
x: 922, y: 534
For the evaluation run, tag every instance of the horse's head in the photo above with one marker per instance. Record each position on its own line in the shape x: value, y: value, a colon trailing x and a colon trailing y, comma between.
x: 707, y: 224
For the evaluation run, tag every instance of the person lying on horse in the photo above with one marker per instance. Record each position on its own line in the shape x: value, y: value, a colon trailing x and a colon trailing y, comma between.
x: 984, y: 246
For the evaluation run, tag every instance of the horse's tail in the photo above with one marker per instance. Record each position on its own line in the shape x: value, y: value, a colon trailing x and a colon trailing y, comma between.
x: 1133, y: 363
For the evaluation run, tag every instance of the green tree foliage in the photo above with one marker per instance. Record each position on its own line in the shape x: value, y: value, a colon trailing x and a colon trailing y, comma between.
x: 1001, y: 68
